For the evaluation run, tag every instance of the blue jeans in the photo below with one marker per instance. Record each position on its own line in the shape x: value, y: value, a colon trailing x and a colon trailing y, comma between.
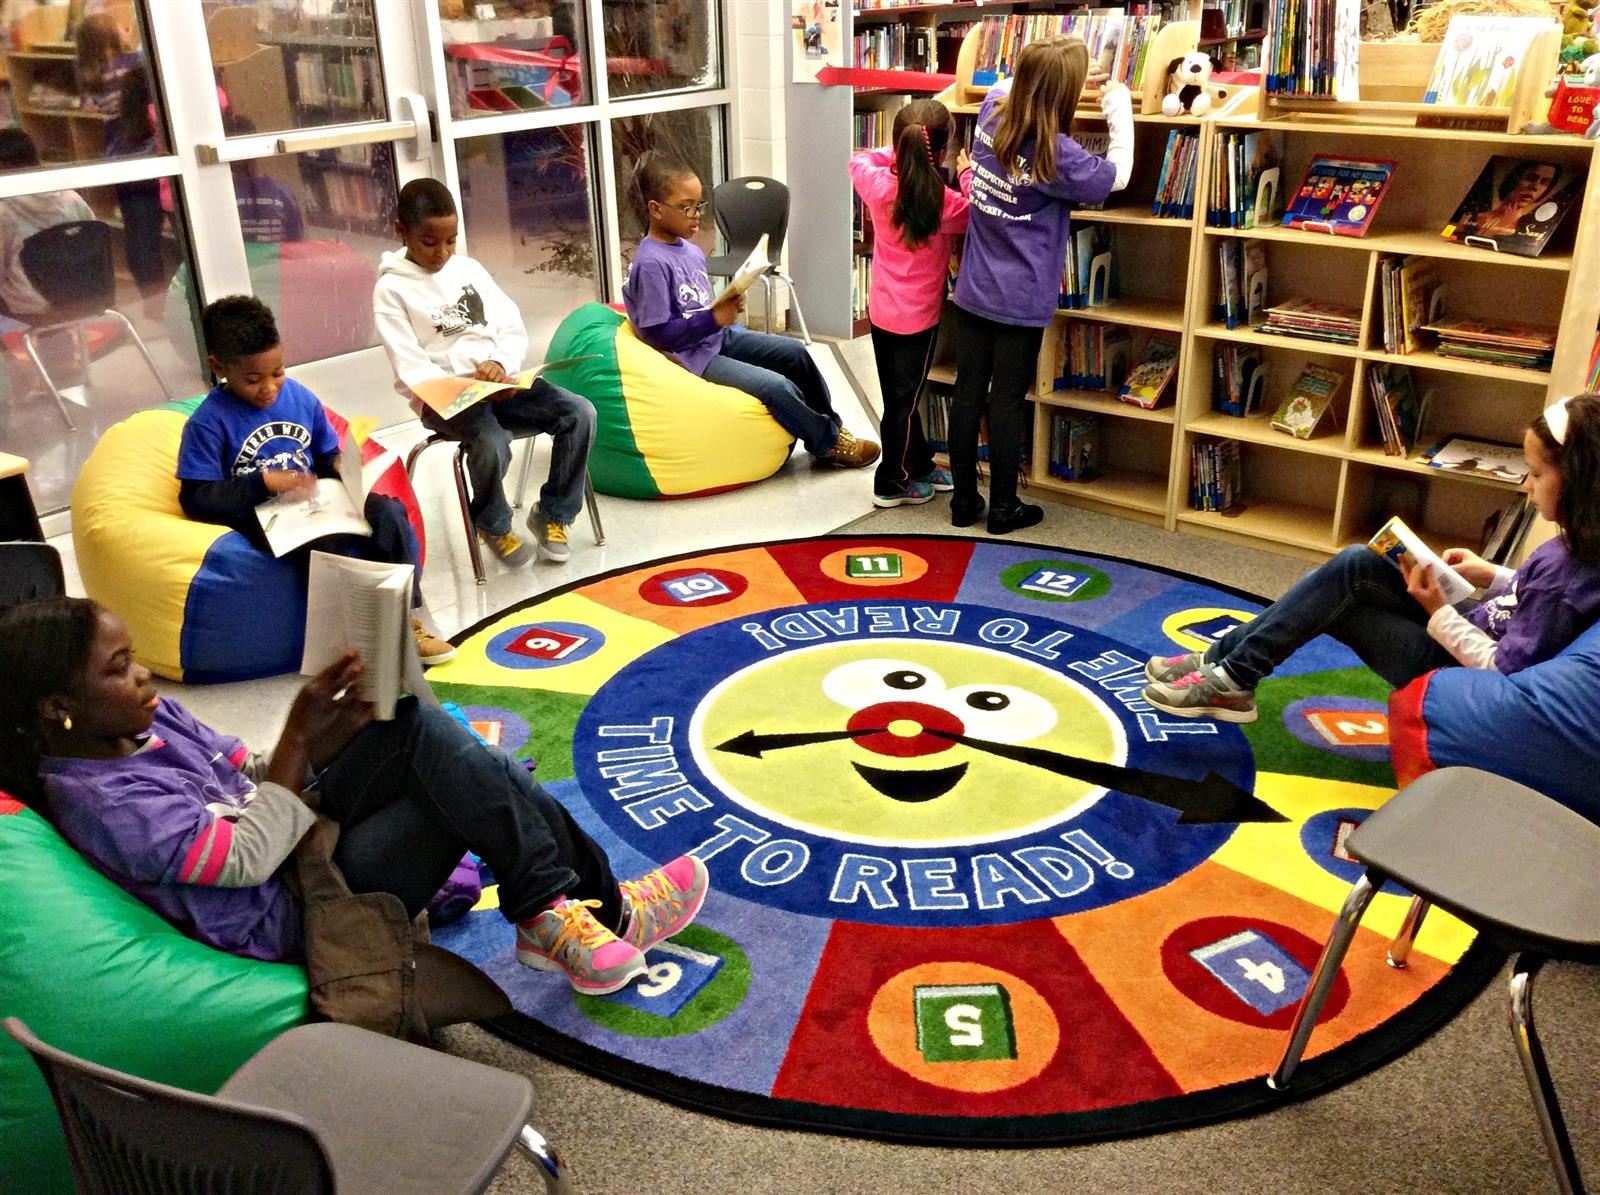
x: 487, y: 429
x: 413, y: 795
x: 1360, y: 599
x: 780, y: 372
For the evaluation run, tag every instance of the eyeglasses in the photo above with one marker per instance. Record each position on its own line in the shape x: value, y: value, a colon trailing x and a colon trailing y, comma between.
x: 688, y: 209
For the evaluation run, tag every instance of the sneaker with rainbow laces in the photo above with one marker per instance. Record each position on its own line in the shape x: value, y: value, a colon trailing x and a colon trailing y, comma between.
x: 567, y: 938
x: 661, y: 902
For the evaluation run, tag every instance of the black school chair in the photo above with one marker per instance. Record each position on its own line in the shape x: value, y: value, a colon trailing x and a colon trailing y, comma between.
x: 29, y: 572
x: 745, y: 209
x: 1511, y: 863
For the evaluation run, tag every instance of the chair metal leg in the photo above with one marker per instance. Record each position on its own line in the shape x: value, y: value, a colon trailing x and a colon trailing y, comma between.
x: 527, y: 466
x: 144, y: 351
x: 532, y: 1145
x: 594, y: 511
x: 1305, y: 1019
x: 794, y: 301
x: 766, y: 289
x: 30, y: 344
x: 1551, y: 1124
x: 473, y: 548
x: 1400, y: 948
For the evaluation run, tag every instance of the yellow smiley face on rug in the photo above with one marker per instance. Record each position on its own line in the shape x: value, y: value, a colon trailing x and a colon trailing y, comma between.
x: 896, y: 741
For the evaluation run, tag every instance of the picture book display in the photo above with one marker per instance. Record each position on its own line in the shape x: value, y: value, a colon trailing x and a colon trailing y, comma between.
x: 1480, y: 59
x: 1521, y: 346
x: 333, y: 507
x: 1481, y: 458
x: 1174, y: 197
x: 1338, y: 195
x: 1313, y: 49
x: 1515, y: 205
x: 1396, y: 542
x: 1308, y: 401
x: 1118, y: 41
x: 365, y: 606
x: 450, y: 396
x: 1312, y: 319
x: 1147, y: 382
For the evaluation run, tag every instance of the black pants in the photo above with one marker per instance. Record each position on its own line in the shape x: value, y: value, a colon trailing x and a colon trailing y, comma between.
x: 413, y: 795
x: 902, y: 361
x: 140, y: 205
x: 995, y: 365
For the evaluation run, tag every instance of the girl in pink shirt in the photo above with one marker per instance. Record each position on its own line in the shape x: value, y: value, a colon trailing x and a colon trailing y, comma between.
x: 916, y: 218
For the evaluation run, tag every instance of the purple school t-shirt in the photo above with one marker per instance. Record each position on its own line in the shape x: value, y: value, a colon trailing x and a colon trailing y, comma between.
x: 1553, y: 599
x: 158, y: 823
x: 1017, y: 228
x: 667, y: 284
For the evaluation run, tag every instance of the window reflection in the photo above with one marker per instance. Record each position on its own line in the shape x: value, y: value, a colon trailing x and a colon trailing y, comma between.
x: 513, y: 55
x: 693, y: 136
x: 661, y: 45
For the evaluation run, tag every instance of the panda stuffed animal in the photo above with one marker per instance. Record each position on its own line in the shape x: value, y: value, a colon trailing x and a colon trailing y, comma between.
x: 1186, y: 91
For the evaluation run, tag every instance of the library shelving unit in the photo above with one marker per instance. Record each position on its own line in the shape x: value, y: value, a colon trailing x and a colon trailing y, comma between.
x: 44, y: 59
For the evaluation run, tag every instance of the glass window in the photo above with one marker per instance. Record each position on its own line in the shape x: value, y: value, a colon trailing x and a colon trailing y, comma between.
x: 661, y: 45
x: 693, y: 136
x: 513, y: 55
x: 77, y: 89
x: 63, y: 288
x: 529, y: 218
x: 296, y: 64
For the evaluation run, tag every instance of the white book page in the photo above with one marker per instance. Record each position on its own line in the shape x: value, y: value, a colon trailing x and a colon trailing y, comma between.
x: 749, y: 270
x: 1395, y: 540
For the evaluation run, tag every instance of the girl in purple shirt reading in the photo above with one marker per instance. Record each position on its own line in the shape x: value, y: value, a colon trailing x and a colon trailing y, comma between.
x: 199, y: 828
x: 1027, y: 173
x: 1398, y: 621
x: 916, y: 219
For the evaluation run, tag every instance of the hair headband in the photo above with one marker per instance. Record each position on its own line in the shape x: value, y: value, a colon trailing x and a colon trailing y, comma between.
x: 1555, y: 418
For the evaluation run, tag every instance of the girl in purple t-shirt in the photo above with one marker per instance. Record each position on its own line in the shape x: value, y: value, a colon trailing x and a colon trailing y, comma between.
x: 1398, y: 621
x: 916, y: 219
x: 1027, y: 174
x: 197, y: 827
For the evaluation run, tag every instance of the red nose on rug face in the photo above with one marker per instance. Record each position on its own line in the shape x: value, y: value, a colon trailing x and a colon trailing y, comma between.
x: 903, y: 728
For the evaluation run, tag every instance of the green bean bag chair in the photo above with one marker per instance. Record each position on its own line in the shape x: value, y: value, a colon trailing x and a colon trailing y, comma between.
x: 96, y: 972
x: 661, y: 432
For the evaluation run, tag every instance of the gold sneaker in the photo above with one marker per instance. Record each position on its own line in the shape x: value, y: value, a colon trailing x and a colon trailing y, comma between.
x: 430, y: 647
x: 508, y: 547
x: 852, y: 453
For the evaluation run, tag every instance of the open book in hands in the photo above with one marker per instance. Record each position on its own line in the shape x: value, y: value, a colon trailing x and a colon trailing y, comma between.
x: 1395, y: 542
x: 335, y: 507
x: 365, y: 606
x: 757, y: 264
x: 448, y: 397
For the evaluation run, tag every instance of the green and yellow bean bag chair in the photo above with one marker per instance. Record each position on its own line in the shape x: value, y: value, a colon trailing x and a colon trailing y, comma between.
x: 661, y: 432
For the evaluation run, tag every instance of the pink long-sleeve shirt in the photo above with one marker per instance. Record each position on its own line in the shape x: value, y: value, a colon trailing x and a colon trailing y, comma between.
x: 907, y: 284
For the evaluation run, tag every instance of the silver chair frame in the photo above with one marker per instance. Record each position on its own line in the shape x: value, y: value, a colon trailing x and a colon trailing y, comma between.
x: 34, y: 335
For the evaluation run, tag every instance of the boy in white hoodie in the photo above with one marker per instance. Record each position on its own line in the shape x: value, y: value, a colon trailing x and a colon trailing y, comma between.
x: 441, y: 315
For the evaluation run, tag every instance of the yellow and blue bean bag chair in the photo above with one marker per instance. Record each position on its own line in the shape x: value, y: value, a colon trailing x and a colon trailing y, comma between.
x: 202, y: 603
x: 660, y: 431
x: 92, y: 969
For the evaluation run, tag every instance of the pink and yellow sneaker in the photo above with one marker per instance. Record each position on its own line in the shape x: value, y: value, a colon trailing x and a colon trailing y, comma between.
x: 567, y: 938
x: 661, y: 902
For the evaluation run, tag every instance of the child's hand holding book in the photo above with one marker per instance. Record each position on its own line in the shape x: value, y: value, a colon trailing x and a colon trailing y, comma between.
x: 727, y: 311
x: 1471, y: 567
x: 295, y: 483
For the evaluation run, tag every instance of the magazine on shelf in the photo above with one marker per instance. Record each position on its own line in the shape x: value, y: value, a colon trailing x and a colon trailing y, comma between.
x: 1515, y: 205
x: 1396, y: 542
x: 448, y: 397
x: 334, y: 507
x: 1338, y: 195
x: 1481, y: 458
x: 364, y: 605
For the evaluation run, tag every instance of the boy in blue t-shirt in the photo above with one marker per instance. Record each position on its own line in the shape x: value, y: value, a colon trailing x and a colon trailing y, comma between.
x: 259, y: 433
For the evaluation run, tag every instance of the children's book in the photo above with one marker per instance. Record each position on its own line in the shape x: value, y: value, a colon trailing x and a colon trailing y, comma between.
x: 1515, y: 205
x: 1394, y: 396
x: 1480, y: 59
x: 1147, y: 382
x: 1481, y: 458
x: 1307, y: 401
x: 1396, y: 542
x: 750, y: 269
x: 1339, y: 195
x: 1237, y: 380
x: 450, y: 396
x: 364, y: 605
x: 334, y: 507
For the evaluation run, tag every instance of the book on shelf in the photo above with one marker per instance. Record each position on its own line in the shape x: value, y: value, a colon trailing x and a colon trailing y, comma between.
x: 1151, y: 376
x: 1592, y: 381
x: 1504, y: 530
x: 1312, y: 319
x: 894, y: 47
x: 1242, y: 282
x: 1090, y: 275
x: 936, y: 402
x: 1480, y: 58
x: 365, y: 606
x: 1074, y: 446
x: 1398, y: 544
x: 1398, y: 407
x: 1480, y: 458
x: 1092, y: 356
x: 1313, y: 49
x: 332, y: 505
x: 860, y: 285
x: 1308, y: 400
x: 1216, y: 475
x: 1338, y: 195
x: 1521, y: 346
x: 1117, y: 40
x: 448, y: 397
x: 1174, y: 197
x: 1245, y: 180
x: 1515, y: 205
x: 1237, y: 379
x: 1411, y: 296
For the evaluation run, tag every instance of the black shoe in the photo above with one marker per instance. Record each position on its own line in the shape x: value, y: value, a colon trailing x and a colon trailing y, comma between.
x: 1003, y: 520
x: 964, y: 512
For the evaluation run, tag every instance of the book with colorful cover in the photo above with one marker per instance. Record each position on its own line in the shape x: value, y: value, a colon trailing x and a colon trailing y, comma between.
x: 1397, y: 543
x: 1147, y: 382
x: 1339, y: 195
x: 1481, y: 458
x: 448, y: 397
x: 1480, y: 58
x: 1308, y: 401
x: 1515, y: 205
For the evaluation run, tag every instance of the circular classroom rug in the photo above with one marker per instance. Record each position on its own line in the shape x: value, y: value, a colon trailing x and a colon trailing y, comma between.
x: 967, y: 887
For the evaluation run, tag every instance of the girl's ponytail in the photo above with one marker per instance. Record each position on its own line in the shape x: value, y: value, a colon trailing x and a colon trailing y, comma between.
x: 1574, y: 448
x: 921, y: 132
